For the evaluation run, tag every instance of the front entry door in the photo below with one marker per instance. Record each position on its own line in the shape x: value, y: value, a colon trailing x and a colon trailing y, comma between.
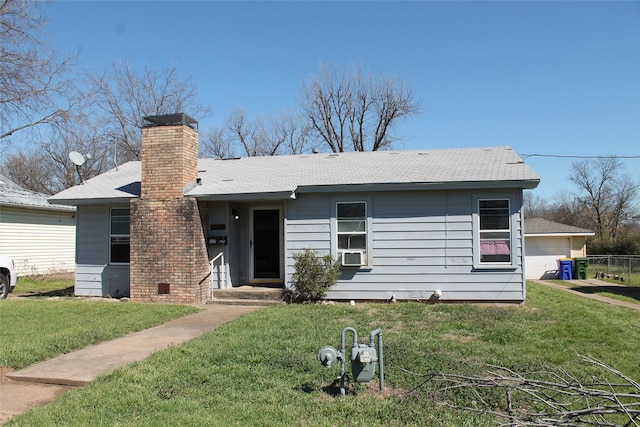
x: 266, y: 245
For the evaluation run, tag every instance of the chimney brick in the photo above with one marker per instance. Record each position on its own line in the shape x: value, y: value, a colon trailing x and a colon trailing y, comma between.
x: 168, y: 239
x: 169, y: 161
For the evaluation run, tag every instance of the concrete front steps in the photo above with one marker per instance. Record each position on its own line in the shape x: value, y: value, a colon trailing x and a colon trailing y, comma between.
x: 247, y: 295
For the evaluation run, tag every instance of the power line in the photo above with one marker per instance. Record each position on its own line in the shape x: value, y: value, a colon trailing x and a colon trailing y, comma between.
x: 524, y: 156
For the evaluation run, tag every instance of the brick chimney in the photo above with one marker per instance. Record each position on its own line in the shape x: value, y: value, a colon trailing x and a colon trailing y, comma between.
x: 169, y: 261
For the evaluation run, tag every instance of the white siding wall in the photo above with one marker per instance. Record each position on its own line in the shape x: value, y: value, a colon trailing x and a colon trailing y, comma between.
x: 94, y: 275
x: 542, y: 254
x: 422, y: 241
x: 39, y: 241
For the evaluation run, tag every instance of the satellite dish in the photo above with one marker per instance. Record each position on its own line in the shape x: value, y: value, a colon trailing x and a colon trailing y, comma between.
x: 77, y: 158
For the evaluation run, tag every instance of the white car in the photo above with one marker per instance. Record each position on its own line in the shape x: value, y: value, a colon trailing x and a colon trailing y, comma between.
x: 8, y: 276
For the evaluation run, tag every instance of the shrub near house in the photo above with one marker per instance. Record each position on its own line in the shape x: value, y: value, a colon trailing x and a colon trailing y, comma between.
x: 313, y: 275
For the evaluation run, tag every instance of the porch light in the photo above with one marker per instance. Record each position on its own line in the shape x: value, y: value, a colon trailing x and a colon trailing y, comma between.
x: 235, y: 214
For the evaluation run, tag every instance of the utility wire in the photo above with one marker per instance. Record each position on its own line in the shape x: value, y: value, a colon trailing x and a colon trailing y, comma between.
x: 524, y: 156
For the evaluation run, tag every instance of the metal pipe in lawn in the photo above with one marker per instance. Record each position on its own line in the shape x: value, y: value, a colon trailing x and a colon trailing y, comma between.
x: 372, y: 334
x: 344, y: 352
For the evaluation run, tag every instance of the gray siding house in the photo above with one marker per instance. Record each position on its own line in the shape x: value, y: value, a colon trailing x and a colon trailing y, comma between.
x: 411, y: 225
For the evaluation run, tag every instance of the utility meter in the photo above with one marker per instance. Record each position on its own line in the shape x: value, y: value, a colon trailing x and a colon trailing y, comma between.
x: 363, y: 362
x: 363, y: 358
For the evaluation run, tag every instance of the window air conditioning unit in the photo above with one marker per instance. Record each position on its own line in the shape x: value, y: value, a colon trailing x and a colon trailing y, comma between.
x: 352, y: 258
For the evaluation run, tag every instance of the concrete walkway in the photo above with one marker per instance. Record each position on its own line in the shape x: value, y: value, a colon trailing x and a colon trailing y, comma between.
x: 594, y: 283
x: 38, y: 384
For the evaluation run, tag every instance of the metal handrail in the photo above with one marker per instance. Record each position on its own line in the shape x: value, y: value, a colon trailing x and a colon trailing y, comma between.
x: 221, y: 276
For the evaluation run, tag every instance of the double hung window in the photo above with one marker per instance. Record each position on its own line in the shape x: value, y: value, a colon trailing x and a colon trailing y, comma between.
x: 351, y: 218
x: 119, y: 236
x: 494, y: 230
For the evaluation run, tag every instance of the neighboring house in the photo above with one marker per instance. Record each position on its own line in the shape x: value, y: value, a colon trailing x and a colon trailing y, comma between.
x: 404, y: 224
x: 546, y: 242
x: 39, y: 236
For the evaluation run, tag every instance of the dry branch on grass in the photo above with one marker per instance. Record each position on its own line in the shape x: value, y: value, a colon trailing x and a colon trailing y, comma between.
x: 552, y: 397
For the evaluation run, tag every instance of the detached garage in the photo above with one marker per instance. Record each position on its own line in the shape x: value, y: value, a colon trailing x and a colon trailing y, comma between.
x: 546, y: 242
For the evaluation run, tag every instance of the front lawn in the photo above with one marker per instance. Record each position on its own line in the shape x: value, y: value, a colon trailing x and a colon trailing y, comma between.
x: 46, y: 285
x: 35, y: 329
x: 261, y: 369
x: 609, y: 289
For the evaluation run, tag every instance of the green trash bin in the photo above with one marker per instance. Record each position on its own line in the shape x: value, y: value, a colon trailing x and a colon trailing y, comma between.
x: 580, y: 267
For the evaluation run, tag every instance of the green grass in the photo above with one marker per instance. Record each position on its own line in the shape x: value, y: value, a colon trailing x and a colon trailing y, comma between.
x: 631, y: 278
x: 261, y: 370
x: 36, y: 329
x: 619, y: 292
x: 49, y: 284
x: 619, y: 297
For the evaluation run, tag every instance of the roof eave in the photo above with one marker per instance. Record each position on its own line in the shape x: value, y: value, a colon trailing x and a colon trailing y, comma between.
x: 100, y: 201
x: 60, y: 207
x: 413, y: 186
x: 276, y: 195
x: 563, y: 234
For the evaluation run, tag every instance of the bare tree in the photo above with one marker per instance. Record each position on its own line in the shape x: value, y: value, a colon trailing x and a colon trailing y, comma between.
x: 107, y: 129
x: 605, y: 193
x: 257, y: 137
x: 48, y: 169
x: 351, y: 112
x: 28, y: 169
x: 244, y: 131
x: 295, y: 133
x: 565, y: 208
x: 216, y: 143
x: 124, y: 97
x: 34, y: 88
x: 534, y: 206
x: 284, y: 134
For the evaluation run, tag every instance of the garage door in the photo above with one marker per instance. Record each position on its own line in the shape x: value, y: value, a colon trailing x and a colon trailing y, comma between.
x: 541, y: 256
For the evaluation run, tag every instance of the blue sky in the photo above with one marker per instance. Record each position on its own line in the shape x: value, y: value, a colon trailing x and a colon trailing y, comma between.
x: 551, y: 78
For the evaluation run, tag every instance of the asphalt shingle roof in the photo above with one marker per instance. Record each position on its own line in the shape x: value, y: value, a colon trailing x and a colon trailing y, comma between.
x: 545, y: 227
x: 446, y: 168
x: 11, y: 194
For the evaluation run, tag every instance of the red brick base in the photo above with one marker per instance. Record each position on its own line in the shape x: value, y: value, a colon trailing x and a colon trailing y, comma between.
x: 169, y: 261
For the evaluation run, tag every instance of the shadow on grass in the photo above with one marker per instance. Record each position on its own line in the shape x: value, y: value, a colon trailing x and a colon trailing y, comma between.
x: 66, y: 292
x: 332, y: 389
x: 626, y: 291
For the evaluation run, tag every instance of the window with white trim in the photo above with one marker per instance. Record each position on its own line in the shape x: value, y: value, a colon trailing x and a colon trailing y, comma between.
x: 494, y: 231
x: 351, y: 219
x: 119, y: 236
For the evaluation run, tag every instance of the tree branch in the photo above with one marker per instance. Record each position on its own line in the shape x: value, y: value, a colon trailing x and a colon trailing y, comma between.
x: 545, y: 398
